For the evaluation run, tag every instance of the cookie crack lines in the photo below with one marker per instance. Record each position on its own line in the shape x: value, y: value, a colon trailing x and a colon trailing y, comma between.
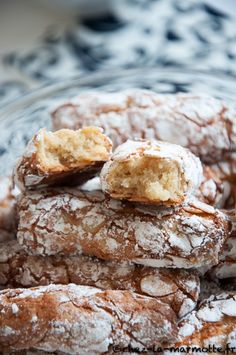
x: 101, y: 222
x: 153, y: 282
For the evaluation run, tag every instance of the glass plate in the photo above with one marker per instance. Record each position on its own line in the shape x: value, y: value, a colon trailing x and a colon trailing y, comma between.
x: 20, y: 119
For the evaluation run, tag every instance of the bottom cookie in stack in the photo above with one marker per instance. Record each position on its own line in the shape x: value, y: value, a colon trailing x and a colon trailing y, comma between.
x: 82, y: 319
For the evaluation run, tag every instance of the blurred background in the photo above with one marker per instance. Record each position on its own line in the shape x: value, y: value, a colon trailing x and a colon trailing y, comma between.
x: 46, y: 40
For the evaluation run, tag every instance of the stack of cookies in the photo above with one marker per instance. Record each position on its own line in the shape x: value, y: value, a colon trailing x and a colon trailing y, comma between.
x: 111, y: 245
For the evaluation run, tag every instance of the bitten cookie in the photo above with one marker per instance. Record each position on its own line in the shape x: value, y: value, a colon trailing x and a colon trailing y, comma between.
x: 65, y: 157
x: 152, y: 172
x: 177, y: 287
x: 205, y: 125
x: 71, y: 221
x: 81, y: 319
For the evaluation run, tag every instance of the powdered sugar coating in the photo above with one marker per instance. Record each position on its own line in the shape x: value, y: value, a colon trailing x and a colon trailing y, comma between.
x: 80, y: 319
x: 139, y: 235
x: 214, y: 322
x: 212, y: 190
x: 201, y: 123
x: 224, y: 269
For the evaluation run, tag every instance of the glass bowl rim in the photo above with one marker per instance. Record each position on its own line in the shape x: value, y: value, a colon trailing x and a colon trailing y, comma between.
x: 86, y: 79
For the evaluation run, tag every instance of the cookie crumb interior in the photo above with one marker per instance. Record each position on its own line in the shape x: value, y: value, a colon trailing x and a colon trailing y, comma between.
x: 66, y: 149
x: 147, y: 178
